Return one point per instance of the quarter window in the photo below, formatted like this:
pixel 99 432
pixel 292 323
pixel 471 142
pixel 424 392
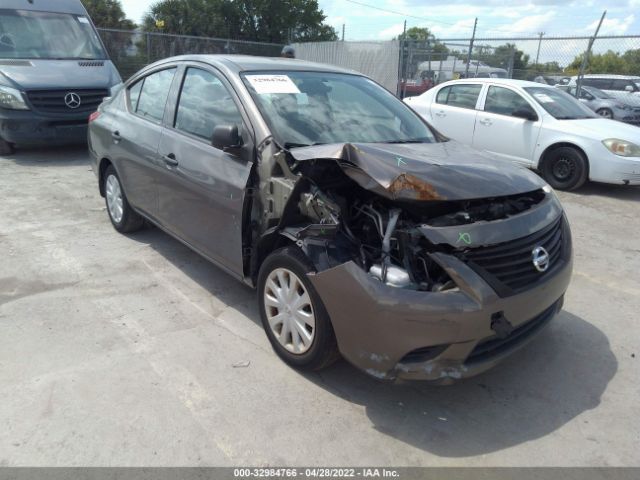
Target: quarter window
pixel 463 96
pixel 204 104
pixel 504 101
pixel 153 97
pixel 134 94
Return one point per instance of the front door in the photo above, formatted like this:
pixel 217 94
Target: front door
pixel 202 189
pixel 502 134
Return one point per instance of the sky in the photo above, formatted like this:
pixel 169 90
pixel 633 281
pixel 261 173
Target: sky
pixel 455 18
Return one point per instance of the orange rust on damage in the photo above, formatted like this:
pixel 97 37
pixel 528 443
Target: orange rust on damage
pixel 409 183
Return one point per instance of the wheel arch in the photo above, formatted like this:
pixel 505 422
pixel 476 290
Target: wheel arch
pixel 103 164
pixel 556 145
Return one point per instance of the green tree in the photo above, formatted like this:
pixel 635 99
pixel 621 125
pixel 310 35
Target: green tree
pixel 608 62
pixel 423 38
pixel 257 20
pixel 108 14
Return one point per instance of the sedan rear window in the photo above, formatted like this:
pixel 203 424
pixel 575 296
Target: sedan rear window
pixel 153 96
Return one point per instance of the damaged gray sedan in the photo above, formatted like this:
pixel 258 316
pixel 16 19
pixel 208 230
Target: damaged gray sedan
pixel 365 232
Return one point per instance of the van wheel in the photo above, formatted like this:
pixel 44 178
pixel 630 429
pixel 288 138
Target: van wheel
pixel 6 148
pixel 122 216
pixel 605 113
pixel 565 168
pixel 293 315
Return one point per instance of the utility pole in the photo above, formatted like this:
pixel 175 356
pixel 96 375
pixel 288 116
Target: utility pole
pixel 343 32
pixel 473 37
pixel 540 35
pixel 585 60
pixel 401 61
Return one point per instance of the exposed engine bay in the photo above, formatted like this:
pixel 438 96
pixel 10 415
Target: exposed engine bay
pixel 336 212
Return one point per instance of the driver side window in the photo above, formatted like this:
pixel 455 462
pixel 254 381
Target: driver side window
pixel 204 104
pixel 504 101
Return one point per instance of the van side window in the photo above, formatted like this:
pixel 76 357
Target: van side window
pixel 204 104
pixel 464 96
pixel 154 94
pixel 621 85
pixel 442 95
pixel 601 83
pixel 134 95
pixel 504 101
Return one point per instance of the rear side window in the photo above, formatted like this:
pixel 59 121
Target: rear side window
pixel 442 95
pixel 134 95
pixel 463 96
pixel 152 98
pixel 504 101
pixel 622 85
pixel 204 104
pixel 601 83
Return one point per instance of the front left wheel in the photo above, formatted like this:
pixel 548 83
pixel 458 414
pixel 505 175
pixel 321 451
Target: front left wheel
pixel 293 315
pixel 122 216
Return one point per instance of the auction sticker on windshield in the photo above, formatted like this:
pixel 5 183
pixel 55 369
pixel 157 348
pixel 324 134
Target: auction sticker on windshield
pixel 272 84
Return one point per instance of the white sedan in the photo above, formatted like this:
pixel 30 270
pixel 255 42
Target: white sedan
pixel 537 126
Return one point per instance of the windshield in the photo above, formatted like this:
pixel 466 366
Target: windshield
pixel 560 104
pixel 44 35
pixel 310 108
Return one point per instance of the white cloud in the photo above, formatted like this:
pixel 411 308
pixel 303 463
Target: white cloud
pixel 392 31
pixel 613 26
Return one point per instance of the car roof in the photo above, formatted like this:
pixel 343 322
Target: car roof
pixel 498 81
pixel 247 63
pixel 55 6
pixel 605 75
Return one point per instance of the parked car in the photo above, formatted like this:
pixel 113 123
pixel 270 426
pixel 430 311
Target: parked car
pixel 604 104
pixel 535 125
pixel 623 87
pixel 54 71
pixel 552 79
pixel 363 230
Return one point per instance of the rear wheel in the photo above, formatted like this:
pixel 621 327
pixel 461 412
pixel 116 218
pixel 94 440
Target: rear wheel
pixel 605 113
pixel 293 315
pixel 122 216
pixel 565 168
pixel 6 148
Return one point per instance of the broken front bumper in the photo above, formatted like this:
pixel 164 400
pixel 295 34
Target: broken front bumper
pixel 393 333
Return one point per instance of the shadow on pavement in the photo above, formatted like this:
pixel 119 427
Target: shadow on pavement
pixel 620 192
pixel 49 156
pixel 561 374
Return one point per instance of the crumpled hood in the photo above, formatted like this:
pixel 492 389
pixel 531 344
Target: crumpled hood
pixel 46 74
pixel 425 171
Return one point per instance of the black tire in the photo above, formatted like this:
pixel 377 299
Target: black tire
pixel 605 112
pixel 323 350
pixel 6 148
pixel 130 220
pixel 565 168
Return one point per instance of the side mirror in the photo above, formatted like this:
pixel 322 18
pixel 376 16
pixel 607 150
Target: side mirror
pixel 525 113
pixel 629 89
pixel 226 137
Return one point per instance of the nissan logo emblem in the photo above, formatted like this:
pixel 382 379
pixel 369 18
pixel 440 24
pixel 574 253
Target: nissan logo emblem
pixel 540 258
pixel 72 100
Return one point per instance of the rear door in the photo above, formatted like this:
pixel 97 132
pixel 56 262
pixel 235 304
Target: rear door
pixel 454 111
pixel 202 189
pixel 501 133
pixel 135 133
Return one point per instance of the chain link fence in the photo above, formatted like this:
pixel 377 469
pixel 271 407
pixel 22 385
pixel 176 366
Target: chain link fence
pixel 132 50
pixel 407 67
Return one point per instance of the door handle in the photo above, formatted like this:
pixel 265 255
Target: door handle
pixel 486 122
pixel 170 160
pixel 116 136
pixel 441 114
